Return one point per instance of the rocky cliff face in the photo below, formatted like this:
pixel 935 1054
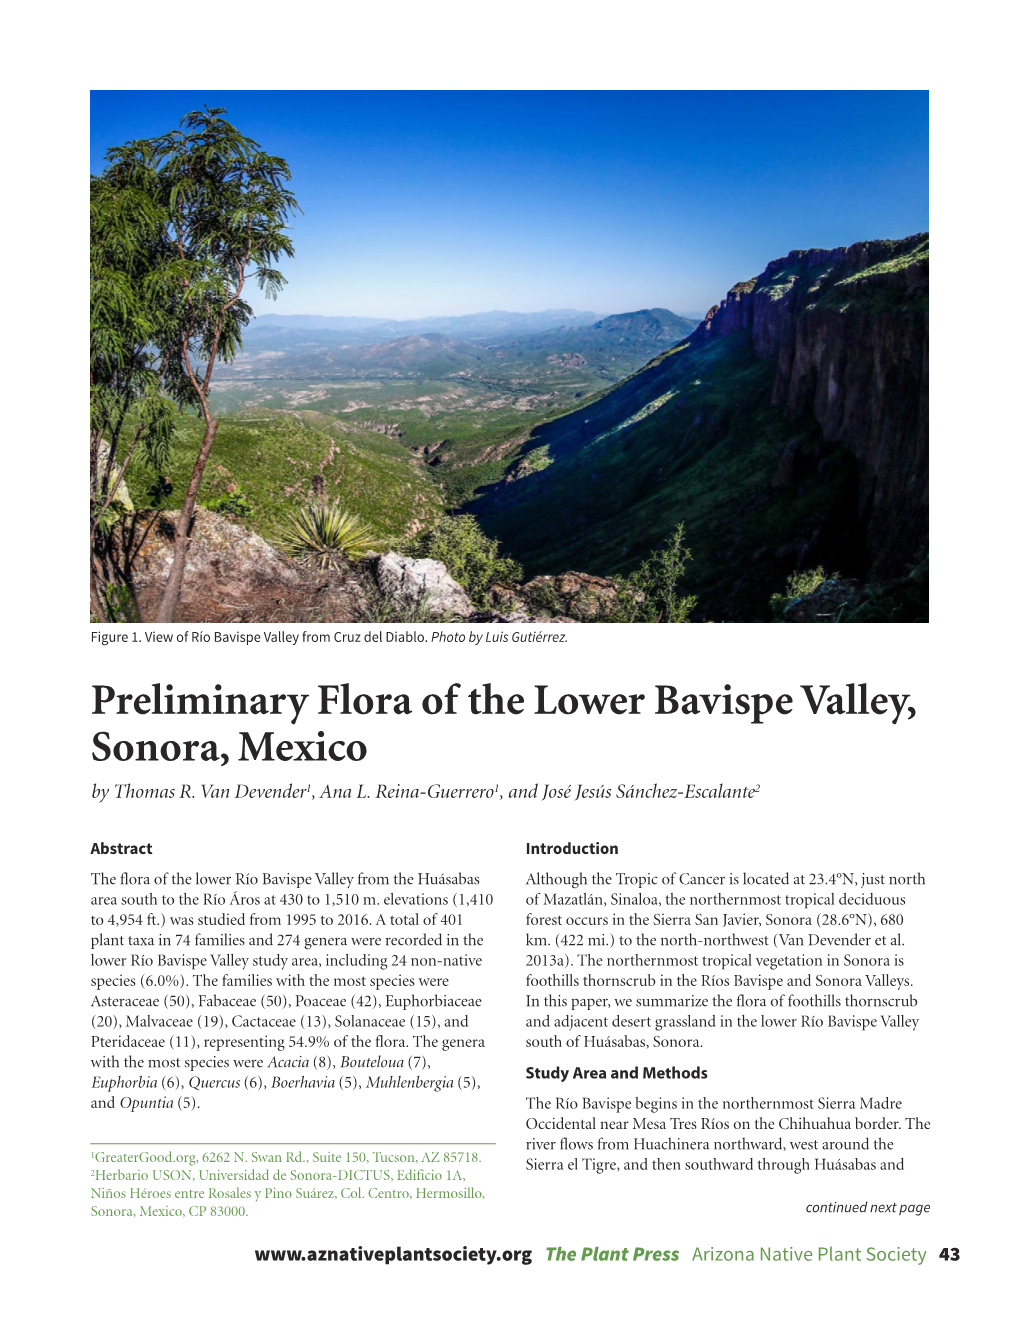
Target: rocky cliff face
pixel 848 331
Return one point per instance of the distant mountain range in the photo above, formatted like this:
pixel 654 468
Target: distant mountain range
pixel 641 330
pixel 334 348
pixel 656 324
pixel 369 329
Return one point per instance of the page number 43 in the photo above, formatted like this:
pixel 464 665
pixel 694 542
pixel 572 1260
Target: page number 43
pixel 949 1253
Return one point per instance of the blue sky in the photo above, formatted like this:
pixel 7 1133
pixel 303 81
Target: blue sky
pixel 438 203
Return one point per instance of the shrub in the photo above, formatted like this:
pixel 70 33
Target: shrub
pixel 472 558
pixel 381 606
pixel 798 585
pixel 325 535
pixel 233 505
pixel 106 521
pixel 120 604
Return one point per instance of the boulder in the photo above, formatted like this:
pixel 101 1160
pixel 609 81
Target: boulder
pixel 419 583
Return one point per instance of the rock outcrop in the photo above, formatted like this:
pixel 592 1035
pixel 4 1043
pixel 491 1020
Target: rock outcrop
pixel 582 597
pixel 233 575
pixel 830 602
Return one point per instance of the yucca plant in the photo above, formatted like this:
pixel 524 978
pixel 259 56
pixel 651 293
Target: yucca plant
pixel 326 534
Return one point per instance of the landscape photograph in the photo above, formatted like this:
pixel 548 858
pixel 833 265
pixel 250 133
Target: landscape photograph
pixel 509 357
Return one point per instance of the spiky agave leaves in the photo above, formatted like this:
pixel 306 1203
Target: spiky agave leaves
pixel 325 535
